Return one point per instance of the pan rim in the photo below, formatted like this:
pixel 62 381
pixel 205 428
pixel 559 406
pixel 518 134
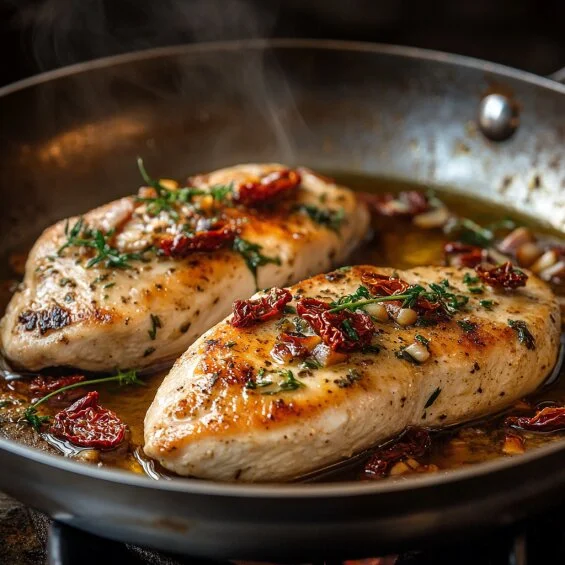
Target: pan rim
pixel 293 490
pixel 284 490
pixel 285 43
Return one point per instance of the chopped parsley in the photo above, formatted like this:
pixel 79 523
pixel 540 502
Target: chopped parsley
pixel 155 323
pixel 476 289
pixel 288 382
pixel 288 309
pixel 432 398
pixel 349 330
pixel 371 348
pixel 350 378
pixel 332 219
pixel 423 340
pixel 230 344
pixel 525 337
pixel 149 351
pixel 467 326
pixel 311 364
pixel 469 279
pixel 251 253
pixel 487 304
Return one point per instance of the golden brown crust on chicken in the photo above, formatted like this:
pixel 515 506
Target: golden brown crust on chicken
pixel 207 421
pixel 99 317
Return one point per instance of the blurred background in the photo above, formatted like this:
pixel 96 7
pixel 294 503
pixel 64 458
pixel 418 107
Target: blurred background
pixel 38 35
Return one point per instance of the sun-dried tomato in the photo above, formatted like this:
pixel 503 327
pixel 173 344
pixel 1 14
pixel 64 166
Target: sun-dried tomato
pixel 87 424
pixel 381 285
pixel 407 203
pixel 549 419
pixel 464 255
pixel 503 276
pixel 343 331
pixel 43 385
pixel 252 311
pixel 182 245
pixel 289 346
pixel 414 442
pixel 271 185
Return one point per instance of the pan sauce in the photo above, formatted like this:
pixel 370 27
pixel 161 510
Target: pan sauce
pixel 398 244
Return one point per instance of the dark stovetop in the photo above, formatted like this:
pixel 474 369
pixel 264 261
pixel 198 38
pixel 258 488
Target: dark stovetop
pixel 25 534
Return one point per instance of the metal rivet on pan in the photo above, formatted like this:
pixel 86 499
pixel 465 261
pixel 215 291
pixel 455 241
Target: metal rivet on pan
pixel 498 117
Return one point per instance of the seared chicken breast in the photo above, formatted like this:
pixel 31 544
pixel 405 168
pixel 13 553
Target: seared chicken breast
pixel 135 282
pixel 268 395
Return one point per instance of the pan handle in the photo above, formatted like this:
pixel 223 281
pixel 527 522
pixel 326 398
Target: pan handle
pixel 558 76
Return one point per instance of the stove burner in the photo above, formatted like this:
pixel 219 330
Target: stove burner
pixel 536 542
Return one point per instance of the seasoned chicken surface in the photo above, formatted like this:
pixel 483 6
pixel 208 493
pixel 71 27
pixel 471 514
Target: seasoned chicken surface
pixel 135 282
pixel 237 407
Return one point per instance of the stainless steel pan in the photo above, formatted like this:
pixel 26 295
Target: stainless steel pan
pixel 69 140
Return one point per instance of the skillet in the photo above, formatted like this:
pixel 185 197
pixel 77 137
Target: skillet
pixel 69 139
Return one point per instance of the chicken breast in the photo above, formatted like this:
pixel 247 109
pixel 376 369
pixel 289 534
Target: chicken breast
pixel 235 408
pixel 135 282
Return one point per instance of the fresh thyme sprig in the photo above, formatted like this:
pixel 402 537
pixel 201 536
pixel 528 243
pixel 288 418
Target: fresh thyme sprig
pixel 167 199
pixel 450 302
pixel 123 378
pixel 80 235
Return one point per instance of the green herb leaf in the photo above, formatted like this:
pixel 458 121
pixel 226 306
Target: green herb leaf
pixel 349 330
pixel 34 419
pixel 251 253
pixel 467 326
pixel 469 232
pixel 310 363
pixel 432 398
pixel 524 335
pixel 362 293
pixel 332 219
pixel 469 279
pixel 349 379
pixel 423 340
pixel 487 304
pixel 155 323
pixel 80 235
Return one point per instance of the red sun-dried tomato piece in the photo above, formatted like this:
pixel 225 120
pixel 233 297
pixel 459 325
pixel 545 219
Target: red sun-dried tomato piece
pixel 343 331
pixel 503 276
pixel 271 185
pixel 381 285
pixel 290 346
pixel 87 424
pixel 463 255
pixel 414 442
pixel 408 203
pixel 43 385
pixel 182 245
pixel 549 419
pixel 253 311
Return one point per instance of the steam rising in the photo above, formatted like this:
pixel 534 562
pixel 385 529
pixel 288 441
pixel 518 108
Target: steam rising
pixel 65 32
pixel 69 31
